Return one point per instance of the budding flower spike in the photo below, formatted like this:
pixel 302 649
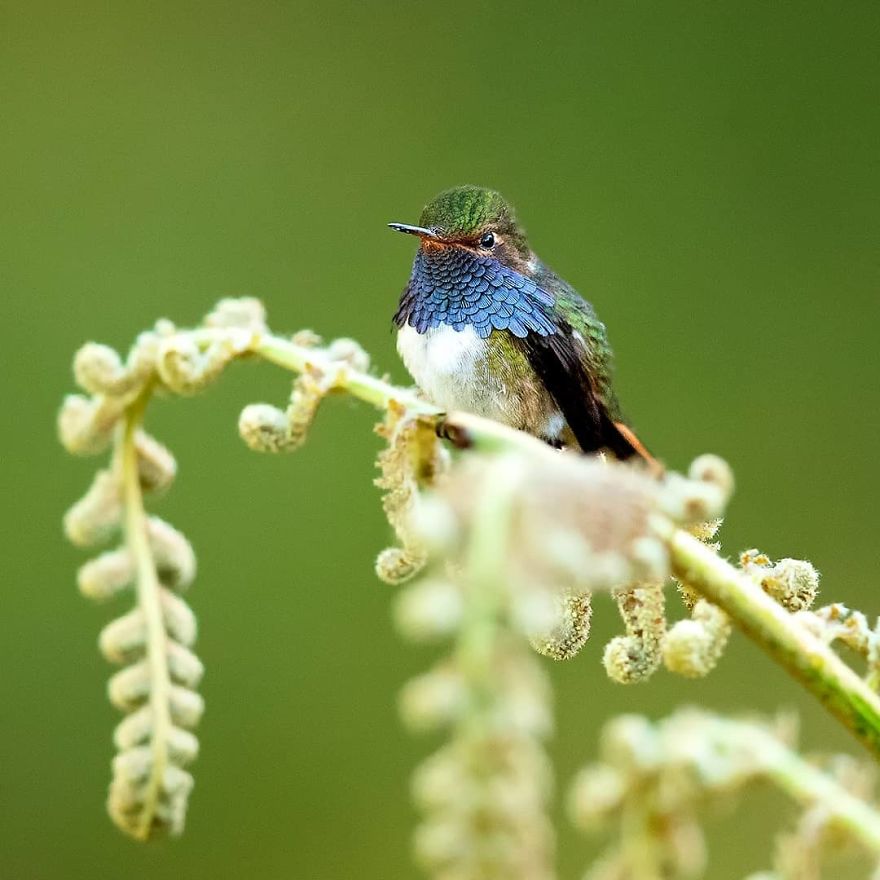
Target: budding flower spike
pixel 506 543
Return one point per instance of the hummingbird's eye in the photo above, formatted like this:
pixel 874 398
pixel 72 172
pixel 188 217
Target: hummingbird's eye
pixel 487 240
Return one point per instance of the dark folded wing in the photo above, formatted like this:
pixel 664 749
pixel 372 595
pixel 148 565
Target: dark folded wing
pixel 562 366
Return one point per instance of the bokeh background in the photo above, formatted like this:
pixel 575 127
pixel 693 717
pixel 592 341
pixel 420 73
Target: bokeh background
pixel 707 173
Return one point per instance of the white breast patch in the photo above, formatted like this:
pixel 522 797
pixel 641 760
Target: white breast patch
pixel 450 367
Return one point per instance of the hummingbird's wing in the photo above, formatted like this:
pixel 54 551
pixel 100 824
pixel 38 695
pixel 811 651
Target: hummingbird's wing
pixel 574 364
pixel 563 366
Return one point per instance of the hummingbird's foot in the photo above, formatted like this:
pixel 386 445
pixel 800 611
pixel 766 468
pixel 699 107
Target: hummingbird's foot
pixel 455 433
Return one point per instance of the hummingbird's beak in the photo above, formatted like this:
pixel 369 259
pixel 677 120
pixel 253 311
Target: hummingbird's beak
pixel 420 231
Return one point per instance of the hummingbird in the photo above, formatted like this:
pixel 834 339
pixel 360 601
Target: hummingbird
pixel 486 327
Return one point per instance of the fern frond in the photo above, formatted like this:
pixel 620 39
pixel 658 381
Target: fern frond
pixel 155 688
pixel 153 641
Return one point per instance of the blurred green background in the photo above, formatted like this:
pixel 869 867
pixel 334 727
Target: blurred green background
pixel 707 173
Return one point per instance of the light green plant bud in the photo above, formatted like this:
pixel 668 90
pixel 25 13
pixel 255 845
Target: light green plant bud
pixel 99 370
pixel 135 729
pixel 430 609
pixel 85 425
pixel 439 843
pixel 130 686
pixel 177 781
pixel 263 428
pixel 838 623
pixel 124 803
pixel 183 746
pixel 306 338
pixel 186 369
pixel 124 637
pixel 350 352
pixel 754 558
pixel 185 668
pixel 713 470
pixel 245 313
pixel 706 531
pixel 793 583
pixel 692 648
pixel 635 657
pixel 97 515
pixel 171 813
pixel 433 699
pixel 571 629
pixel 106 575
pixel 133 765
pixel 156 465
pixel 412 460
pixel 173 554
pixel 441 781
pixel 394 565
pixel 630 744
pixel 164 327
pixel 186 706
pixel 141 360
pixel 596 793
pixel 267 429
pixel 129 792
pixel 180 622
pixel 687 501
pixel 702 496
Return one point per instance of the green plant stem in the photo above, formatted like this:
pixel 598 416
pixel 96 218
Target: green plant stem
pixel 813 663
pixel 370 389
pixel 149 601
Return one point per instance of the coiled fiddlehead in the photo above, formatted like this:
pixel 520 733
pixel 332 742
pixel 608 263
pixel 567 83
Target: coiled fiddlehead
pixel 153 641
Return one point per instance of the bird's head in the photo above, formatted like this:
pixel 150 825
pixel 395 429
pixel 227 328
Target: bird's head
pixel 474 218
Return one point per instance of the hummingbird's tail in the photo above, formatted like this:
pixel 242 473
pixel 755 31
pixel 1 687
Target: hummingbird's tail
pixel 626 445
